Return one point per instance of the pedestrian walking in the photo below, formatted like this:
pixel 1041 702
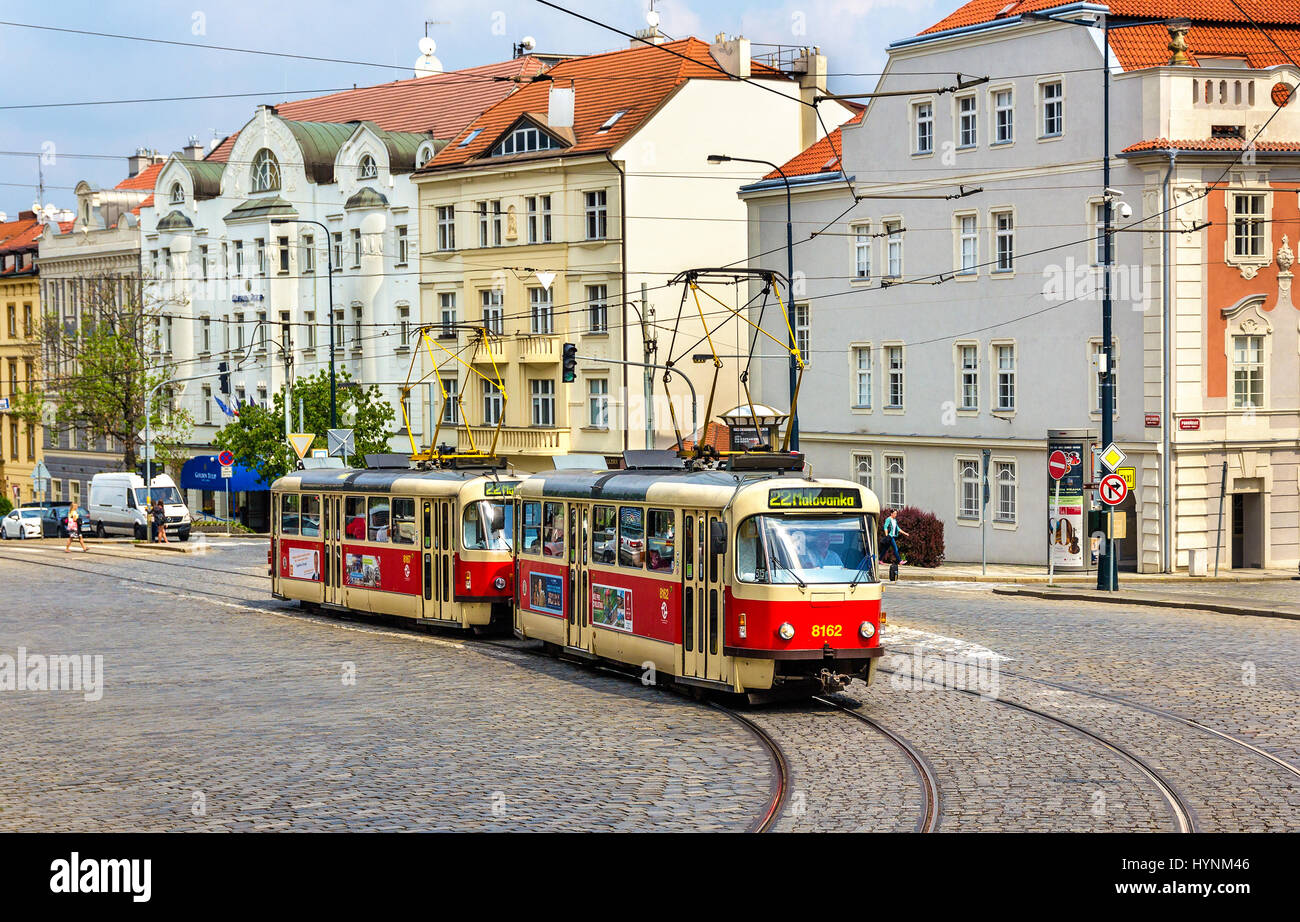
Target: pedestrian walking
pixel 73 524
pixel 160 521
pixel 892 531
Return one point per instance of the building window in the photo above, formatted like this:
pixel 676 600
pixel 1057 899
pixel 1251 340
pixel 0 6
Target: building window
pixel 356 329
pixel 493 313
pixel 896 491
pixel 1099 231
pixel 524 139
pixel 1006 360
pixel 403 245
pixel 1248 224
pixel 260 332
pixel 1247 372
pixel 491 403
pixel 368 169
pixel 167 335
pixel 539 306
pixel 968 245
pixel 259 250
pixel 203 262
pixel 339 331
pixel 862 251
pixel 309 331
pixel 543 397
pixel 968 475
pixel 178 194
pixel 338 250
pixel 597 309
pixel 923 117
pixel 283 246
pixel 446 227
pixel 539 218
pixel 451 405
pixel 496 223
pixel 1004 475
pixel 238 321
pixel 595 211
pixel 308 253
pixel 207 404
pixel 598 403
pixel 862 470
pixel 894 247
pixel 356 248
pixel 1053 97
pixel 1004 115
pixel 239 259
pixel 862 377
pixel 970 377
pixel 803 331
pixel 205 335
pixel 447 313
pixel 266 171
pixel 404 327
pixel 482 209
pixel 894 360
pixel 967 122
pixel 1004 241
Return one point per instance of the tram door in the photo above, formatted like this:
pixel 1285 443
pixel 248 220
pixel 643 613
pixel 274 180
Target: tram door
pixel 578 612
pixel 428 556
pixel 332 565
pixel 443 571
pixel 703 576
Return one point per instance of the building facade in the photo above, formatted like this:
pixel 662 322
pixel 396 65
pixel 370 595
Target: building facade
pixel 20 439
pixel 963 312
pixel 563 214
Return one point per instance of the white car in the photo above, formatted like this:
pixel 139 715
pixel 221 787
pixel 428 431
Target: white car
pixel 21 523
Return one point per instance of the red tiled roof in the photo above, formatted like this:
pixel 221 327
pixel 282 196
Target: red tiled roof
pixel 221 153
pixel 636 79
pixel 822 157
pixel 1147 46
pixel 1210 144
pixel 145 179
pixel 1274 12
pixel 22 234
pixel 443 104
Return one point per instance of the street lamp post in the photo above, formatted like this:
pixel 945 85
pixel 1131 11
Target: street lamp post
pixel 329 266
pixel 789 270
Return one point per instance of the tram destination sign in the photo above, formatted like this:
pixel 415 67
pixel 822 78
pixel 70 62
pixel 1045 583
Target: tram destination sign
pixel 500 488
pixel 814 498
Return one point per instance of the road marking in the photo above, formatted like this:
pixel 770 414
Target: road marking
pixel 939 643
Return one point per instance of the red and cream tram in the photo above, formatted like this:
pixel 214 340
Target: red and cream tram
pixel 428 545
pixel 739 581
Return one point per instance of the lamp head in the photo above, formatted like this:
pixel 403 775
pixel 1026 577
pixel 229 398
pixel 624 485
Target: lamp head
pixel 718 158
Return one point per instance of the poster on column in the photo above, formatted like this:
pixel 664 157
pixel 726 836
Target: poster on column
pixel 1066 537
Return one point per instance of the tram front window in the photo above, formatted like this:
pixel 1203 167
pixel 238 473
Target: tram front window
pixel 807 549
pixel 489 526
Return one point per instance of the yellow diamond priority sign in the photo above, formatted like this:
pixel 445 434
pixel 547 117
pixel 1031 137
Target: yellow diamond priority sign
pixel 301 441
pixel 1112 457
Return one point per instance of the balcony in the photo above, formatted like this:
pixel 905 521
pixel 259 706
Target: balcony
pixel 538 349
pixel 515 440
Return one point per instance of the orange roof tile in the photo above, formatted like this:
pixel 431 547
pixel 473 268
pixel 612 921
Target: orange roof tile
pixel 1274 12
pixel 636 79
pixel 21 234
pixel 145 179
pixel 1147 46
pixel 822 157
pixel 221 153
pixel 1210 144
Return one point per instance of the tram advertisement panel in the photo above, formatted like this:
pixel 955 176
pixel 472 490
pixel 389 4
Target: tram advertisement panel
pixel 300 561
pixel 611 607
pixel 544 592
pixel 387 569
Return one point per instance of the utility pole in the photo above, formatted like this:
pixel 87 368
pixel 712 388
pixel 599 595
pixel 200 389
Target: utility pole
pixel 650 346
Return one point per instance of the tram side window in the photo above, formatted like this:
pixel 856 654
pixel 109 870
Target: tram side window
pixel 289 514
pixel 354 514
pixel 377 519
pixel 631 536
pixel 553 545
pixel 603 534
pixel 403 525
pixel 310 516
pixel 532 528
pixel 660 541
pixel 750 560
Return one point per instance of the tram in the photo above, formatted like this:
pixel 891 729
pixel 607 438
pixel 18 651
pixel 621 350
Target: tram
pixel 745 581
pixel 433 546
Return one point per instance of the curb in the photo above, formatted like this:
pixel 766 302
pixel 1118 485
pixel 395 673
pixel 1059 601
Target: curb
pixel 1117 599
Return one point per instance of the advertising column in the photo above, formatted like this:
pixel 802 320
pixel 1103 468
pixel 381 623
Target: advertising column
pixel 1068 453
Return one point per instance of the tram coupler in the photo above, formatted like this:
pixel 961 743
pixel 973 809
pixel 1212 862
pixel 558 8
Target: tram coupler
pixel 832 681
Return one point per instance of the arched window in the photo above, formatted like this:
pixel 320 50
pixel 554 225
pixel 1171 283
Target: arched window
pixel 368 168
pixel 178 194
pixel 266 171
pixel 424 155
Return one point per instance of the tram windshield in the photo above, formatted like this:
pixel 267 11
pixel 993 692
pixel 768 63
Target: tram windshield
pixel 489 526
pixel 806 549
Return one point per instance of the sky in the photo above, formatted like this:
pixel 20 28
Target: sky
pixel 65 144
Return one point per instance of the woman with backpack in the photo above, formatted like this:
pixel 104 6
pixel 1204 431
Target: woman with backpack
pixel 159 521
pixel 73 524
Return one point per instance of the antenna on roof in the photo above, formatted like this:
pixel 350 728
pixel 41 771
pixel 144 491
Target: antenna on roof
pixel 426 65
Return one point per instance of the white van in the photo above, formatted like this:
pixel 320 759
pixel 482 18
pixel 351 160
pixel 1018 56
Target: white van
pixel 119 505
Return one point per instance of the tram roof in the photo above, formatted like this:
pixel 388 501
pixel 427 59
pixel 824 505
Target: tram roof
pixel 632 485
pixel 334 480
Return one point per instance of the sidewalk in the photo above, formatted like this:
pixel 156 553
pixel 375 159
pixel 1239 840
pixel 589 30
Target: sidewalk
pixel 1161 597
pixel 1021 573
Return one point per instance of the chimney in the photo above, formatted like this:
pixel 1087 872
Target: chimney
pixel 732 56
pixel 138 161
pixel 1178 30
pixel 811 68
pixel 4 218
pixel 194 149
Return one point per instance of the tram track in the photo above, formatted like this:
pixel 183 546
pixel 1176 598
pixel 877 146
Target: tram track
pixel 928 821
pixel 780 789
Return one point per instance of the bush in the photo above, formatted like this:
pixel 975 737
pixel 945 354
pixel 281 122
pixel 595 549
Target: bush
pixel 922 546
pixel 5 506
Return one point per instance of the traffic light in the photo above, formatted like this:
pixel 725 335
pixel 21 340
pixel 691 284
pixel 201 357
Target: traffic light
pixel 223 372
pixel 570 363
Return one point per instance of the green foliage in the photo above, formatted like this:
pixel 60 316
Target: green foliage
pixel 257 440
pixel 5 506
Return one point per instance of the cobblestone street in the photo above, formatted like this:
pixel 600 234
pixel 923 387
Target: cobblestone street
pixel 224 710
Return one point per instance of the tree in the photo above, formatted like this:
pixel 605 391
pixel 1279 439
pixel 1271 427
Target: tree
pixel 256 437
pixel 102 361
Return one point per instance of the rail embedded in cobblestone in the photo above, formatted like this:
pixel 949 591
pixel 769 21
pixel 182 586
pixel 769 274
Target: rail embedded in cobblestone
pixel 780 769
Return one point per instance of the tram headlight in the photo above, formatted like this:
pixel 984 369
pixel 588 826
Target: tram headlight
pixel 499 582
pixel 786 631
pixel 868 630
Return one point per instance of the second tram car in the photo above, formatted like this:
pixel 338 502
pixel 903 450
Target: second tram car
pixel 739 581
pixel 434 546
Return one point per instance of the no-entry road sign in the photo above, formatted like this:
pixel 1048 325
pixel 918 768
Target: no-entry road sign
pixel 1113 489
pixel 1058 465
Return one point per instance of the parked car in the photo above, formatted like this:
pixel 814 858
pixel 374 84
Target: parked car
pixel 119 505
pixel 53 515
pixel 22 523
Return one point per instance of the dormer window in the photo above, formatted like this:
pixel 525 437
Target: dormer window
pixel 178 194
pixel 523 140
pixel 368 169
pixel 424 155
pixel 266 171
pixel 611 121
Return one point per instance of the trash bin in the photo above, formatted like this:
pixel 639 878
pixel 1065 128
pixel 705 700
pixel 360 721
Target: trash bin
pixel 1198 562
